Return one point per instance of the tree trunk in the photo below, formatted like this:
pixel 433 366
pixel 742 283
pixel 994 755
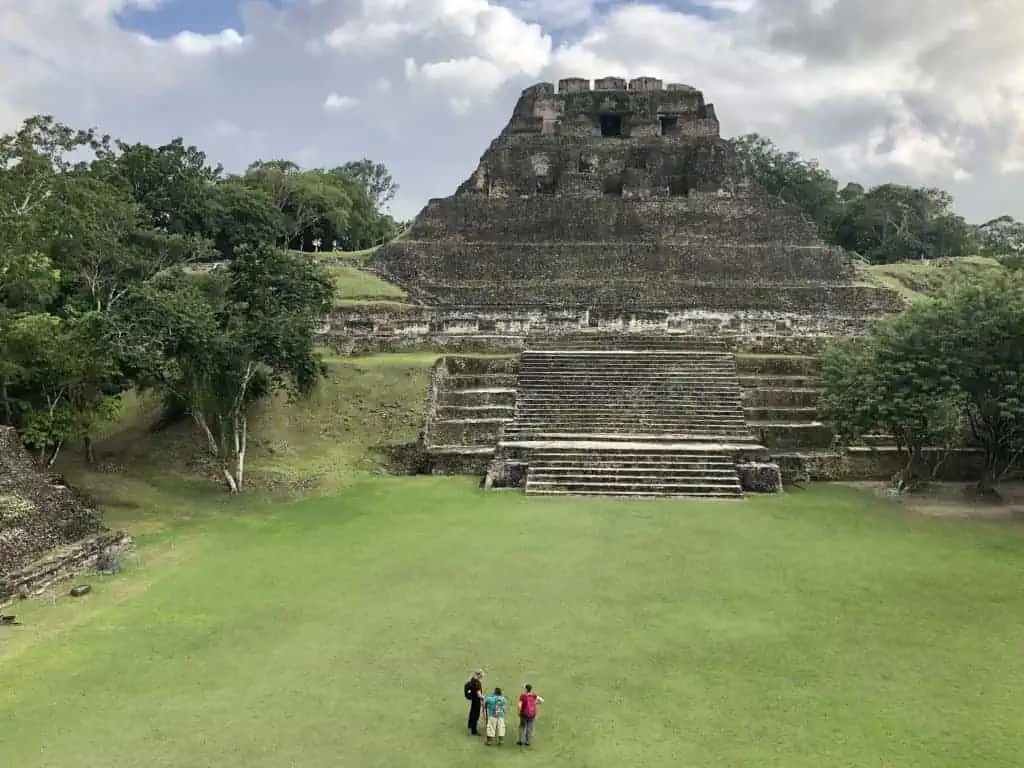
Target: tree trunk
pixel 211 441
pixel 90 451
pixel 229 479
pixel 5 401
pixel 241 443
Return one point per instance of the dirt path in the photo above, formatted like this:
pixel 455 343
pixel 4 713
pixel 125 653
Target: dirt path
pixel 957 500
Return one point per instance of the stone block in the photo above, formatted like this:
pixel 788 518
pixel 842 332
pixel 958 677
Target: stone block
pixel 505 473
pixel 760 477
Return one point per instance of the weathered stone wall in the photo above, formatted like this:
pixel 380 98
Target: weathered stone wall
pixel 712 259
pixel 576 106
pixel 695 219
pixel 60 563
pixel 37 515
pixel 502 330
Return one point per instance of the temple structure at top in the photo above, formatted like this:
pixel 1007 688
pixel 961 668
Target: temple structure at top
pixel 616 196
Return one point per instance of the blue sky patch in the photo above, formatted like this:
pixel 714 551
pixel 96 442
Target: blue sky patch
pixel 200 16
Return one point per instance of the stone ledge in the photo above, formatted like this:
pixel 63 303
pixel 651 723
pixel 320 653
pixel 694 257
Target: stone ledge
pixel 59 564
pixel 760 477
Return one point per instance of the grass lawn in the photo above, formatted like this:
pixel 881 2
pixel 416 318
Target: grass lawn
pixel 353 284
pixel 922 278
pixel 821 628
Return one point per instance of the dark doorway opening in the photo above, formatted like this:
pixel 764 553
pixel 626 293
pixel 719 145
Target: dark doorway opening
pixel 611 125
pixel 668 124
pixel 613 186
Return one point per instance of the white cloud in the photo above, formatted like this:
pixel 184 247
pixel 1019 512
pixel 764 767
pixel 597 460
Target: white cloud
pixel 901 90
pixel 337 103
pixel 191 44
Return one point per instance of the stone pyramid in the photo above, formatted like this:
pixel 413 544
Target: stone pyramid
pixel 623 196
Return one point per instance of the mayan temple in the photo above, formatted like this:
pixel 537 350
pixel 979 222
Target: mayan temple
pixel 666 308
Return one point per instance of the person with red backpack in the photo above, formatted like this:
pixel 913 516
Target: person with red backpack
pixel 528 701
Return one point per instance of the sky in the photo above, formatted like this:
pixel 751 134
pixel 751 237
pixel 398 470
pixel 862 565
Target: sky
pixel 924 92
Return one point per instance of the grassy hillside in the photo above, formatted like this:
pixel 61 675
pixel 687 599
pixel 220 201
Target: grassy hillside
pixel 364 412
pixel 354 287
pixel 920 278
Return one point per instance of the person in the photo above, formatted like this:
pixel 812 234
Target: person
pixel 495 705
pixel 474 691
pixel 528 701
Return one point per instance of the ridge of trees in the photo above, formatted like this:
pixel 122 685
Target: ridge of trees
pixel 884 224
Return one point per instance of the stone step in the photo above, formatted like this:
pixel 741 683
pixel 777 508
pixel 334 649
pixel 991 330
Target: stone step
pixel 646 462
pixel 626 415
pixel 625 425
pixel 527 421
pixel 640 361
pixel 599 363
pixel 638 403
pixel 636 494
pixel 474 380
pixel 601 487
pixel 787 415
pixel 697 436
pixel 687 372
pixel 790 365
pixel 624 340
pixel 596 362
pixel 630 378
pixel 529 348
pixel 455 412
pixel 633 474
pixel 789 436
pixel 666 385
pixel 466 397
pixel 615 389
pixel 620 400
pixel 466 431
pixel 530 372
pixel 755 381
pixel 612 451
pixel 797 397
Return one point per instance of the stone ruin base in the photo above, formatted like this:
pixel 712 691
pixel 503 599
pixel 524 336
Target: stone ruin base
pixel 60 564
pixel 760 477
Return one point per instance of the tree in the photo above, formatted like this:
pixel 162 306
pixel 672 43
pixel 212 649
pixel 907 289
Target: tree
pixel 888 223
pixel 949 366
pixel 226 340
pixel 804 183
pixel 305 199
pixel 243 215
pixel 375 179
pixel 893 222
pixel 879 385
pixel 1002 238
pixel 172 184
pixel 977 328
pixel 64 380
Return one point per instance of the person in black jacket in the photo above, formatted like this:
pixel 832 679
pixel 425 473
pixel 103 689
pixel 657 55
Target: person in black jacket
pixel 474 690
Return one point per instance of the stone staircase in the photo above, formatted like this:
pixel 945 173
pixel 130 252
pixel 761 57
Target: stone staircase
pixel 472 401
pixel 628 415
pixel 634 469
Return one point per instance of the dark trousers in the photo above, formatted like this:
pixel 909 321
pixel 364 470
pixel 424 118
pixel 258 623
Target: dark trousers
pixel 474 714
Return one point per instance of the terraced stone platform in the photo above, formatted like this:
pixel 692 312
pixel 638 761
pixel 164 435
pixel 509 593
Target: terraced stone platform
pixel 471 399
pixel 628 414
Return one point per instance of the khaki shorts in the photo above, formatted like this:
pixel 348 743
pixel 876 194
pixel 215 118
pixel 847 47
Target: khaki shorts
pixel 495 727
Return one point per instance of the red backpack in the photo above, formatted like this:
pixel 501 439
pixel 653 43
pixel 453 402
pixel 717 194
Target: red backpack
pixel 529 705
